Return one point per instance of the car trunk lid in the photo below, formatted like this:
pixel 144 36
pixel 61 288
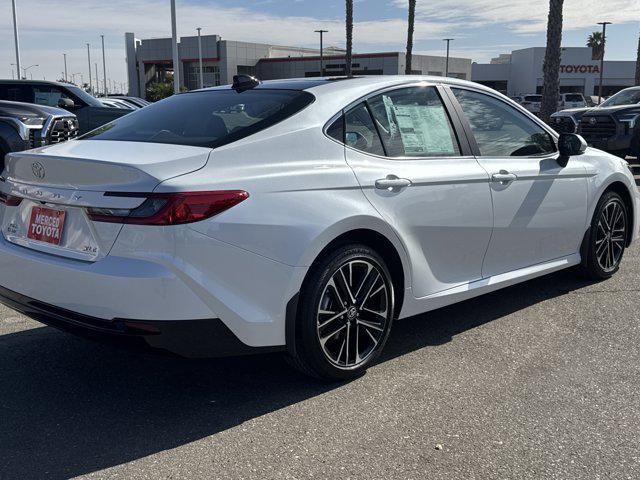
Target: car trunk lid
pixel 51 188
pixel 100 165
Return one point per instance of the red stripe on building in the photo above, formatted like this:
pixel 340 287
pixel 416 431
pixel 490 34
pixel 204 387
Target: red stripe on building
pixel 169 62
pixel 330 57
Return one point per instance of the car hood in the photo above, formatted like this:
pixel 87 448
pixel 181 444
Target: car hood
pixel 29 110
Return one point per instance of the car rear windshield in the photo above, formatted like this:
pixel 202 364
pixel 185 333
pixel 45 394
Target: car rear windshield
pixel 574 97
pixel 205 118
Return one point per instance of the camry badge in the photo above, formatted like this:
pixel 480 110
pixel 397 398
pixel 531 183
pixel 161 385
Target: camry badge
pixel 38 170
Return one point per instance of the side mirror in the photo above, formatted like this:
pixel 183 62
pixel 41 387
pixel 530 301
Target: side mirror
pixel 570 144
pixel 66 103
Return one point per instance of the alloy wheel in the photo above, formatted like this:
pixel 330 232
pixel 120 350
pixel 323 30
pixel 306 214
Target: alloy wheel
pixel 353 313
pixel 611 235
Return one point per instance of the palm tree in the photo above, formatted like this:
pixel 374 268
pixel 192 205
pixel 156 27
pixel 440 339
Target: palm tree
pixel 551 66
pixel 349 24
pixel 638 64
pixel 595 42
pixel 410 27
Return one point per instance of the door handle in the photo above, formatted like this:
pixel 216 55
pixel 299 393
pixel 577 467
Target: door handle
pixel 392 183
pixel 503 177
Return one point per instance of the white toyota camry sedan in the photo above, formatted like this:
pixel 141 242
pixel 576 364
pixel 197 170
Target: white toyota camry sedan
pixel 302 215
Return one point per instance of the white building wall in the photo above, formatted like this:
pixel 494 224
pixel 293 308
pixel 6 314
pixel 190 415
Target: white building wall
pixel 579 72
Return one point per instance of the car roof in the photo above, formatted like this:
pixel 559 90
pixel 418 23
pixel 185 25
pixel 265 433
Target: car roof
pixel 329 85
pixel 40 82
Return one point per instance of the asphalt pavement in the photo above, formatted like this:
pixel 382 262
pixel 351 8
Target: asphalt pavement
pixel 538 381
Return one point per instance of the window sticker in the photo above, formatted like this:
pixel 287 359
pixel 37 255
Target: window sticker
pixel 424 129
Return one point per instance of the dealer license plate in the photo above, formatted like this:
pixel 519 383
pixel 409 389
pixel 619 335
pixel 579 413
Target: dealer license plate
pixel 46 225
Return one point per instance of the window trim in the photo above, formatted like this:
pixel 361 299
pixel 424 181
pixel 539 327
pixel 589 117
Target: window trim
pixel 510 103
pixel 464 145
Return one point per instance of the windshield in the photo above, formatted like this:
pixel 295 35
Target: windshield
pixel 205 118
pixel 84 96
pixel 630 96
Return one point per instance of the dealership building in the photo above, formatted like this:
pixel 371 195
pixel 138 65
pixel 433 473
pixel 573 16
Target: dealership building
pixel 150 61
pixel 520 72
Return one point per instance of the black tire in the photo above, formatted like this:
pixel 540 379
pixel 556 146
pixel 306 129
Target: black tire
pixel 356 278
pixel 604 244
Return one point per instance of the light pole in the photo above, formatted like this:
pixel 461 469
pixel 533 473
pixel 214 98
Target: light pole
pixel 446 65
pixel 95 64
pixel 104 67
pixel 321 32
pixel 66 77
pixel 89 62
pixel 24 70
pixel 200 56
pixel 15 34
pixel 604 40
pixel 174 45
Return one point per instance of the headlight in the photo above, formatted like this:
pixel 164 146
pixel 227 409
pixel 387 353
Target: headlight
pixel 32 121
pixel 629 118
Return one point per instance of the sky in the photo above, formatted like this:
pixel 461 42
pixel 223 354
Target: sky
pixel 482 28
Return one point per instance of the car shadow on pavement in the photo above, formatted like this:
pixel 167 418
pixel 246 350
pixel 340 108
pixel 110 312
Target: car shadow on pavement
pixel 70 407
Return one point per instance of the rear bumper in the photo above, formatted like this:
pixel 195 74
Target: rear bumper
pixel 166 277
pixel 187 338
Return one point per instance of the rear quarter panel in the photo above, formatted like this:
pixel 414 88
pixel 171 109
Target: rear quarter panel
pixel 302 194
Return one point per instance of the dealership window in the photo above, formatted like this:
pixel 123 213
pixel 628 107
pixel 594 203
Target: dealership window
pixel 414 123
pixel 210 75
pixel 499 129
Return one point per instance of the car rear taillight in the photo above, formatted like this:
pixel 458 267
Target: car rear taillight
pixel 10 200
pixel 169 208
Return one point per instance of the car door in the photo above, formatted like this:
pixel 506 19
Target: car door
pixel 421 177
pixel 540 207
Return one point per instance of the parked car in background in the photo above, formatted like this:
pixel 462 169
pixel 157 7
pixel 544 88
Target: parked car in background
pixel 593 101
pixel 307 220
pixel 137 101
pixel 89 111
pixel 25 125
pixel 571 100
pixel 532 102
pixel 612 126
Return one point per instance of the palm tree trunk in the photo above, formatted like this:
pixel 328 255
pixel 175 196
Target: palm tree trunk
pixel 349 25
pixel 412 21
pixel 551 66
pixel 638 64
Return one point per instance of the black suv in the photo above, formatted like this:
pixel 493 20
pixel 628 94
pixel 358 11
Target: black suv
pixel 24 126
pixel 89 111
pixel 613 126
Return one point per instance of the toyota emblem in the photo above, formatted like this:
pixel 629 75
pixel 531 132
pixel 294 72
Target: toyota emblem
pixel 593 120
pixel 38 170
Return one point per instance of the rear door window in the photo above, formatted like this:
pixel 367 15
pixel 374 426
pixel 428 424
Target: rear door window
pixel 205 118
pixel 413 122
